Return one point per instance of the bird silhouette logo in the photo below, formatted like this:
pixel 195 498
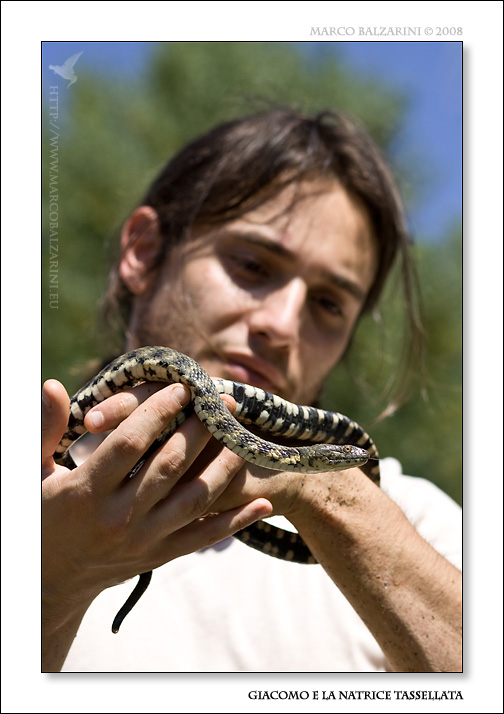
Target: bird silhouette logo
pixel 66 70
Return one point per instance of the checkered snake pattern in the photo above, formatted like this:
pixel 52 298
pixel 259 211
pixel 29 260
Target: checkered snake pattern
pixel 336 441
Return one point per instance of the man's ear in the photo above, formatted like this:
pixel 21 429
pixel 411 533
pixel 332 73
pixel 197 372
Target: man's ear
pixel 140 245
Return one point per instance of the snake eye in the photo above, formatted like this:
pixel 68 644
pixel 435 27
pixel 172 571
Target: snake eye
pixel 347 449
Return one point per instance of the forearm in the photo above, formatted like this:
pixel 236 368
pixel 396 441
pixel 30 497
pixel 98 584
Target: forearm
pixel 405 592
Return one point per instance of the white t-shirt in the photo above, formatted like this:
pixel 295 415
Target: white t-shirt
pixel 229 608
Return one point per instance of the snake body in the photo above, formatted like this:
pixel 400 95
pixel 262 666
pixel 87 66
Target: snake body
pixel 340 443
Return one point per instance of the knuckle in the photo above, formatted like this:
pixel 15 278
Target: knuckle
pixel 171 461
pixel 131 442
pixel 201 502
pixel 197 500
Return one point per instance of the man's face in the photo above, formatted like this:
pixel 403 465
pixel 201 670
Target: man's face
pixel 269 299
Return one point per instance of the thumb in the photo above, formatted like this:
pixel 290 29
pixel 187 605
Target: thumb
pixel 55 411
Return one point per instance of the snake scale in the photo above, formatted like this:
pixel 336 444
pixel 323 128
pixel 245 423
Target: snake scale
pixel 338 442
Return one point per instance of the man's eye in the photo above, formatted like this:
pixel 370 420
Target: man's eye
pixel 248 267
pixel 252 265
pixel 329 305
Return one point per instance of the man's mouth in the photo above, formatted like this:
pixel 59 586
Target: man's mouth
pixel 253 370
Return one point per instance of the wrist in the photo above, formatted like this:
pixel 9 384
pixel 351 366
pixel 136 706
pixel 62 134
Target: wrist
pixel 341 497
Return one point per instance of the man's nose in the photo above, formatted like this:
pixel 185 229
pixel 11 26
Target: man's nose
pixel 279 314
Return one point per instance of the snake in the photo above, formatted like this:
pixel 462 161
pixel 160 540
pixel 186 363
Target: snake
pixel 336 441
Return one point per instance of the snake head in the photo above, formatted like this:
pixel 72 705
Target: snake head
pixel 335 457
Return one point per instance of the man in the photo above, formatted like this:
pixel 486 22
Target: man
pixel 255 251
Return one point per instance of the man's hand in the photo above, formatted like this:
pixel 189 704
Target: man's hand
pixel 100 528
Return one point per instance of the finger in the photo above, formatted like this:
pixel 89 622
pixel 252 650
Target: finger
pixel 207 531
pixel 124 447
pixel 183 456
pixel 111 412
pixel 55 412
pixel 229 401
pixel 173 462
pixel 189 500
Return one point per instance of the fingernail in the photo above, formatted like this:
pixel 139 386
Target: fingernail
pixel 96 419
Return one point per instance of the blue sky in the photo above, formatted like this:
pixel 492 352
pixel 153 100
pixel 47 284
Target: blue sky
pixel 428 73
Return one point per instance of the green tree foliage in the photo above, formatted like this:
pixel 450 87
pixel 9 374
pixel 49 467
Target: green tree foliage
pixel 425 432
pixel 115 135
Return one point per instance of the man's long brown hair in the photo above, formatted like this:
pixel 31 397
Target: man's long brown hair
pixel 240 164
